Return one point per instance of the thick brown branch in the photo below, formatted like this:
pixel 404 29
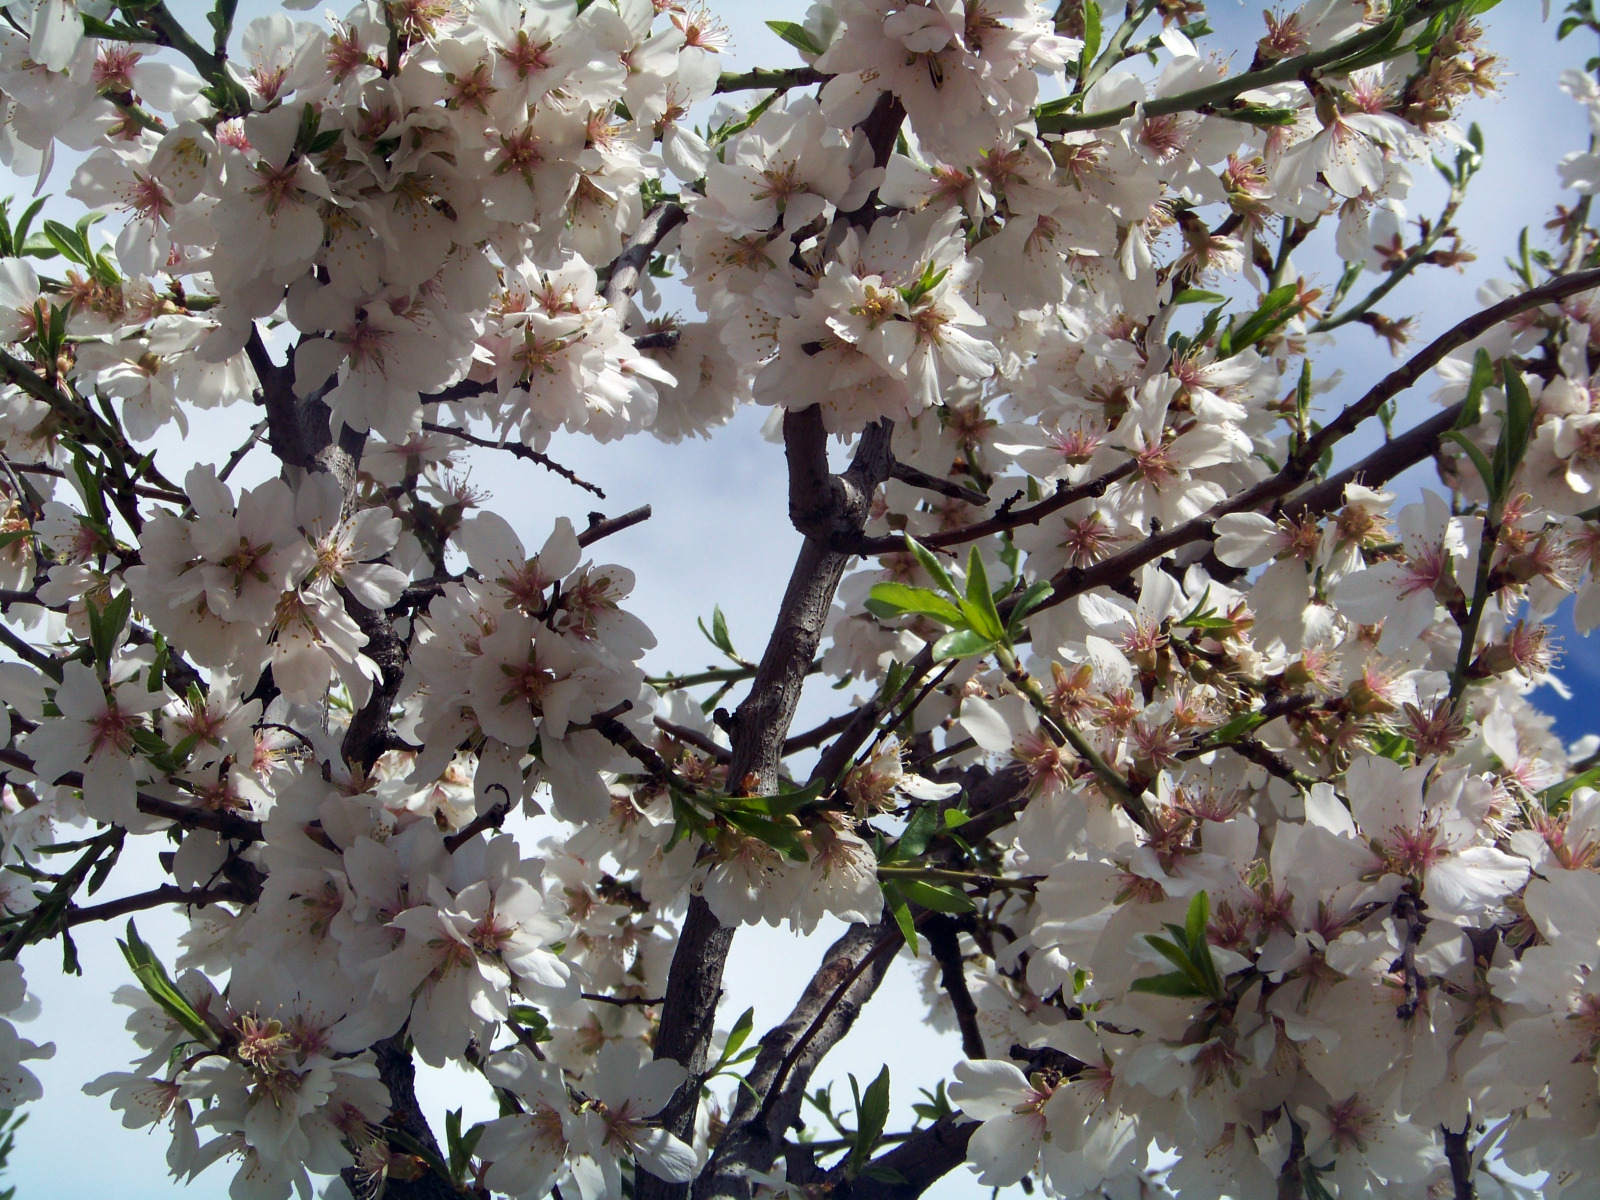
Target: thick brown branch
pixel 912 1167
pixel 224 824
pixel 851 971
pixel 1459 1155
pixel 825 507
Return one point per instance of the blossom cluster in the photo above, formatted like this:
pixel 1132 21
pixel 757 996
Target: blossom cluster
pixel 1204 784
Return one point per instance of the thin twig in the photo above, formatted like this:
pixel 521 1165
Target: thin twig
pixel 622 1001
pixel 913 477
pixel 520 451
pixel 1062 497
pixel 693 737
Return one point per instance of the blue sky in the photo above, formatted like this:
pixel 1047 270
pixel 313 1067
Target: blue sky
pixel 720 535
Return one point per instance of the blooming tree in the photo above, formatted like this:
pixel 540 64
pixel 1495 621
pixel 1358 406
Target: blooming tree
pixel 1198 777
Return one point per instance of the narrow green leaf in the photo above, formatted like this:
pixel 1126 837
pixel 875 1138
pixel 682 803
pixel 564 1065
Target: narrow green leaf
pixel 1173 983
pixel 979 607
pixel 938 897
pixel 1482 377
pixel 931 564
pixel 738 1035
pixel 1093 31
pixel 919 831
pixel 1235 729
pixel 872 1112
pixel 901 912
pixel 1178 956
pixel 152 976
pixel 1558 792
pixel 1514 433
pixel 1196 920
pixel 797 36
pixel 1478 460
pixel 889 600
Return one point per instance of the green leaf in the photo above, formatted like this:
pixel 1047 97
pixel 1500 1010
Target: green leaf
pixel 1485 470
pixel 717 635
pixel 786 802
pixel 531 1019
pixel 105 626
pixel 931 564
pixel 979 607
pixel 1558 792
pixel 901 911
pixel 69 243
pixel 1178 956
pixel 1173 983
pixel 919 831
pixel 737 1036
pixel 462 1147
pixel 152 976
pixel 1196 920
pixel 1276 307
pixel 1514 433
pixel 1197 296
pixel 785 839
pixel 1394 746
pixel 937 897
pixel 872 1111
pixel 797 36
pixel 1235 729
pixel 1482 377
pixel 889 600
pixel 961 643
pixel 1093 31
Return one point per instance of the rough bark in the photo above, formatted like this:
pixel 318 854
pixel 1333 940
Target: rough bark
pixel 827 508
pixel 753 1140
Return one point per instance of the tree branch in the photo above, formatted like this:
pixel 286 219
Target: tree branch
pixel 602 526
pixel 1459 1155
pixel 1303 66
pixel 527 453
pixel 770 79
pixel 914 1165
pixel 944 941
pixel 1063 496
pixel 849 975
pixel 1074 581
pixel 913 477
pixel 625 270
pixel 825 507
pixel 165 894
